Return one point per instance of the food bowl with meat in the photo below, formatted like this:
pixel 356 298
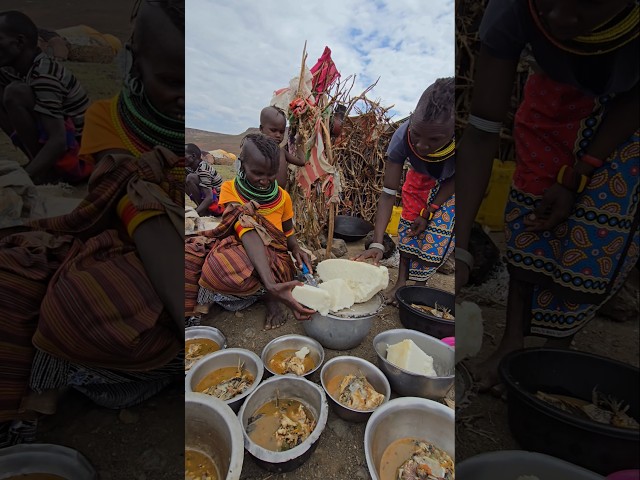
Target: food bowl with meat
pixel 577 406
pixel 354 386
pixel 416 364
pixel 427 310
pixel 282 420
pixel 44 460
pixel 229 375
pixel 292 354
pixel 409 438
pixel 213 441
pixel 200 341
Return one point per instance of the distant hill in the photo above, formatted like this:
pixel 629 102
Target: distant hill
pixel 212 141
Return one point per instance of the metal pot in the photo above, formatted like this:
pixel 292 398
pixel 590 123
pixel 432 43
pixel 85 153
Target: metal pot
pixel 345 329
pixel 296 342
pixel 407 383
pixel 45 458
pixel 345 365
pixel 421 321
pixel 351 229
pixel 212 428
pixel 285 386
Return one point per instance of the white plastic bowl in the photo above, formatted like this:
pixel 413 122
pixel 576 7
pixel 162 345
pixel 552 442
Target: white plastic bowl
pixel 510 464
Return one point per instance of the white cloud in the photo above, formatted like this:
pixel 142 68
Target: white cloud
pixel 240 51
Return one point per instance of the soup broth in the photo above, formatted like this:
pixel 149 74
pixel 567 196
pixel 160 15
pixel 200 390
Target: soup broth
pixel 198 466
pixel 280 425
pixel 196 348
pixel 286 361
pixel 226 382
pixel 402 458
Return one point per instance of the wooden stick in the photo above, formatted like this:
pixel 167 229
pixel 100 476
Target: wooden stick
pixel 302 65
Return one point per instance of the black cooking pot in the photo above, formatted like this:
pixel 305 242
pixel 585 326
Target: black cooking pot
pixel 423 322
pixel 541 427
pixel 350 229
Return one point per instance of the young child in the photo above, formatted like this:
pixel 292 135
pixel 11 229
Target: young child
pixel 249 257
pixel 272 124
pixel 42 104
pixel 428 199
pixel 202 183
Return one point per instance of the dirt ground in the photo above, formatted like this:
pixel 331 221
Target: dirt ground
pixel 482 425
pixel 340 453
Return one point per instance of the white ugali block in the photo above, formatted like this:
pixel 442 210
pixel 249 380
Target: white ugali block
pixel 340 292
pixel 313 297
pixel 364 279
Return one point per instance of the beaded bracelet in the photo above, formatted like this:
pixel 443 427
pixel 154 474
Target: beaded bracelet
pixel 574 181
pixel 131 217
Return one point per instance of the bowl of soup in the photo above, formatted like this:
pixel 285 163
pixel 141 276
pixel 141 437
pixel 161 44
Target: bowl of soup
pixel 355 387
pixel 229 375
pixel 213 439
pixel 408 434
pixel 43 461
pixel 200 341
pixel 282 421
pixel 292 354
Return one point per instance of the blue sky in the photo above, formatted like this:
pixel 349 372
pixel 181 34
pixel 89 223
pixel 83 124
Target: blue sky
pixel 239 52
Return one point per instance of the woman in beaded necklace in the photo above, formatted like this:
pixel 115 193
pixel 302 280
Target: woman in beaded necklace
pixel 149 110
pixel 246 258
pixel 571 220
pixel 426 236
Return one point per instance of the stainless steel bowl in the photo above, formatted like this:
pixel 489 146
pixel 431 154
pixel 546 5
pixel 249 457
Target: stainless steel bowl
pixel 285 386
pixel 345 329
pixel 411 384
pixel 408 417
pixel 204 331
pixel 212 428
pixel 229 357
pixel 344 365
pixel 44 458
pixel 296 342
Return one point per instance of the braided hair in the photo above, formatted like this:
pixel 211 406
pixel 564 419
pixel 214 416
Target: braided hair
pixel 437 101
pixel 267 146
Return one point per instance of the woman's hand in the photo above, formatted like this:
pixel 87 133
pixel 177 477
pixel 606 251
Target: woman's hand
pixel 282 293
pixel 417 226
pixel 555 207
pixel 302 258
pixel 373 253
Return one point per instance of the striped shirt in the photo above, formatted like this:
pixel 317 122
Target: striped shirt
pixel 57 91
pixel 209 177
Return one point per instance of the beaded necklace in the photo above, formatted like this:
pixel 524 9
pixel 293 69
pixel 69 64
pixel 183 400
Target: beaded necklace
pixel 141 127
pixel 609 36
pixel 439 155
pixel 249 192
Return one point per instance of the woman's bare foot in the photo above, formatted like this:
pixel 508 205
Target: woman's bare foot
pixel 276 315
pixel 390 295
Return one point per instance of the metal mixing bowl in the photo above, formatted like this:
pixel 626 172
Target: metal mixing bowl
pixel 345 365
pixel 345 329
pixel 212 428
pixel 411 384
pixel 285 386
pixel 295 342
pixel 203 331
pixel 408 417
pixel 44 458
pixel 229 357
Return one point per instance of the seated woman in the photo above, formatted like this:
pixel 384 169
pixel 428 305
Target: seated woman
pixel 85 302
pixel 247 256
